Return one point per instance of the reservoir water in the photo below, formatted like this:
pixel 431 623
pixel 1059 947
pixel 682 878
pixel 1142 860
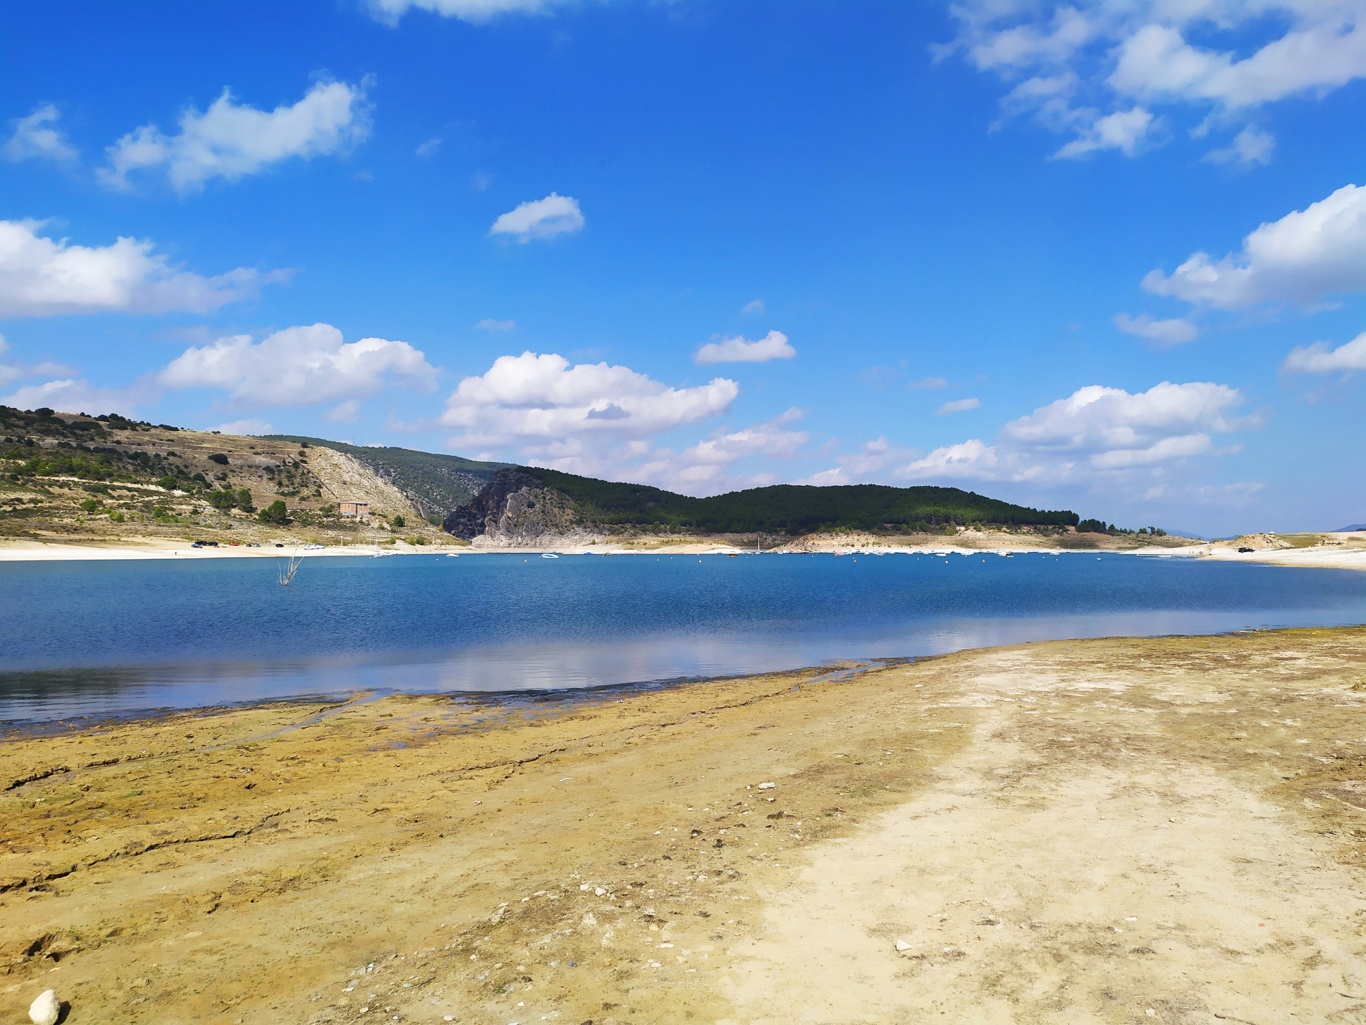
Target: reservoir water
pixel 102 638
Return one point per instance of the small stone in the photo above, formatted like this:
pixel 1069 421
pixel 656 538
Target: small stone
pixel 46 1009
pixel 768 786
pixel 902 945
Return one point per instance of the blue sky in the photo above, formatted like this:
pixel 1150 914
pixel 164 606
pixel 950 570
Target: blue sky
pixel 1110 257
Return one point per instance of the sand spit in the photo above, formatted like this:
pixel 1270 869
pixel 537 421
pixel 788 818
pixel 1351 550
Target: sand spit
pixel 1162 830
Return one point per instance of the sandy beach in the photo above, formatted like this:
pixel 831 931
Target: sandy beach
pixel 1159 830
pixel 1333 551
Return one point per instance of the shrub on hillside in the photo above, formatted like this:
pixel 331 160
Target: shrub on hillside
pixel 275 513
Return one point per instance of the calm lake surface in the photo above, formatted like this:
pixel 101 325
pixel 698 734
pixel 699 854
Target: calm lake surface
pixel 102 638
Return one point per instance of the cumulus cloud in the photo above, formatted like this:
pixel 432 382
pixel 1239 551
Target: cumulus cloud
pixel 1162 333
pixel 489 324
pixel 1305 257
pixel 727 460
pixel 73 395
pixel 253 426
pixel 1079 67
pixel 773 345
pixel 1321 358
pixel 299 366
pixel 474 11
pixel 41 276
pixel 541 219
pixel 8 371
pixel 709 466
pixel 1250 147
pixel 38 137
pixel 18 371
pixel 958 406
pixel 1123 130
pixel 867 461
pixel 541 397
pixel 232 140
pixel 1094 429
pixel 775 439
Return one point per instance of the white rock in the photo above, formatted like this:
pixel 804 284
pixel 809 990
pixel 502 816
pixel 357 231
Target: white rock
pixel 767 786
pixel 46 1009
pixel 902 945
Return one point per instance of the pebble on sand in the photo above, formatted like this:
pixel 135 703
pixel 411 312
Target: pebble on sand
pixel 767 786
pixel 46 1009
pixel 902 945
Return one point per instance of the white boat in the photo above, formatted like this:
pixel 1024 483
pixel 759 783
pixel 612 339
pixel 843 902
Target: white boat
pixel 549 555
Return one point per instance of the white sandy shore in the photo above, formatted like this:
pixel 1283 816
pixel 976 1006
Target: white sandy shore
pixel 1341 551
pixel 162 550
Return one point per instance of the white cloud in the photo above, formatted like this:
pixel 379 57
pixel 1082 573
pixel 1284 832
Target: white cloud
pixel 251 427
pixel 1075 67
pixel 73 395
pixel 347 412
pixel 541 219
pixel 857 467
pixel 958 406
pixel 1249 147
pixel 1095 429
pixel 1123 130
pixel 1320 358
pixel 37 137
pixel 19 371
pixel 489 324
pixel 41 276
pixel 773 345
pixel 775 440
pixel 1305 257
pixel 541 397
pixel 727 460
pixel 428 148
pixel 971 460
pixel 231 140
pixel 753 306
pixel 475 11
pixel 1324 51
pixel 928 384
pixel 8 372
pixel 1162 333
pixel 299 366
pixel 709 466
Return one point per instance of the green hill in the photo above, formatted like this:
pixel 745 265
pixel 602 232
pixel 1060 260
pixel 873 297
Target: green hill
pixel 787 509
pixel 793 508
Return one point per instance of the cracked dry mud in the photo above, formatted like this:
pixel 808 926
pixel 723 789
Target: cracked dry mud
pixel 1154 830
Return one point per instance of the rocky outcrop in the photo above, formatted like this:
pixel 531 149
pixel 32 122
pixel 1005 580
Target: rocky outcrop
pixel 515 509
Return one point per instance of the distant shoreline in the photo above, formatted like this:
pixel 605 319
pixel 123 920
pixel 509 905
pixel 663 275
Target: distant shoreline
pixel 1336 551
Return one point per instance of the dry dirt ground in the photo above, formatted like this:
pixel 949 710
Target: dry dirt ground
pixel 1157 830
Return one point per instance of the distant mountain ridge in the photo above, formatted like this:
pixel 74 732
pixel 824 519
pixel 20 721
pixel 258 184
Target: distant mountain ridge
pixel 1348 530
pixel 76 474
pixel 525 503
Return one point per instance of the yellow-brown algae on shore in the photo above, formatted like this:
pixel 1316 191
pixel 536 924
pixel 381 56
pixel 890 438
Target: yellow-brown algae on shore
pixel 1066 831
